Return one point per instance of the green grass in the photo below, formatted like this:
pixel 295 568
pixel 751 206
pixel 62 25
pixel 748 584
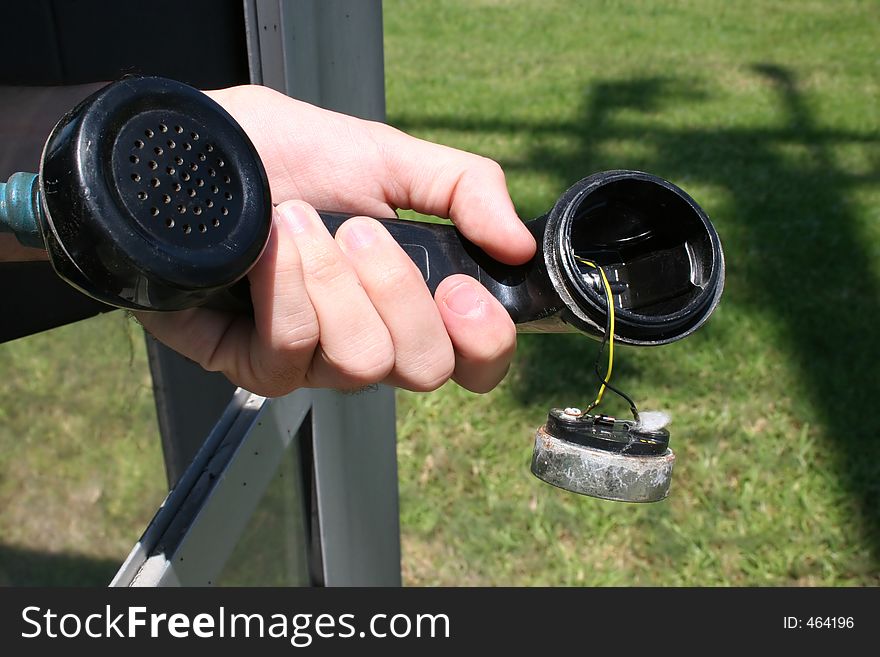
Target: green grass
pixel 767 113
pixel 81 469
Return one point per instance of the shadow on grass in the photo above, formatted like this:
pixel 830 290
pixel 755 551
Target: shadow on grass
pixel 798 257
pixel 22 567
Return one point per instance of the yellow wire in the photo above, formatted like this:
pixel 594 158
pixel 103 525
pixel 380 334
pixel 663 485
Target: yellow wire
pixel 610 309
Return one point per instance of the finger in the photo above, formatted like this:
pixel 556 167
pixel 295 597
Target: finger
pixel 469 189
pixel 355 347
pixel 211 338
pixel 368 167
pixel 286 329
pixel 423 355
pixel 269 354
pixel 482 333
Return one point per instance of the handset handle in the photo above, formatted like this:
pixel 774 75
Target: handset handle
pixel 440 250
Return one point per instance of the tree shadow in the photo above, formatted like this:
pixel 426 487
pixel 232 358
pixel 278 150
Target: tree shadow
pixel 799 257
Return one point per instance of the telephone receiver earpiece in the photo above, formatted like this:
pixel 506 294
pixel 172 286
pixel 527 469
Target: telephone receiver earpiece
pixel 151 197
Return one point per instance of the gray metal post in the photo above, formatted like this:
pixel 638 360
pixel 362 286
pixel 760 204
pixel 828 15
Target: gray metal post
pixel 329 53
pixel 325 52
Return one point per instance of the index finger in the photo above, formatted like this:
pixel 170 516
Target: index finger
pixel 446 182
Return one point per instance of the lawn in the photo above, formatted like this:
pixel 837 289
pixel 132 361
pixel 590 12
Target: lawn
pixel 766 113
pixel 81 469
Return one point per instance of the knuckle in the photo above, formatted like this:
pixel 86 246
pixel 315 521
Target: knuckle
pixel 276 377
pixel 275 388
pixel 369 364
pixel 396 275
pixel 325 267
pixel 436 370
pixel 300 333
pixel 491 168
pixel 321 259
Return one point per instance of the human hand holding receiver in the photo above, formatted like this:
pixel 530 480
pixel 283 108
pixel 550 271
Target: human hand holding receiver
pixel 151 197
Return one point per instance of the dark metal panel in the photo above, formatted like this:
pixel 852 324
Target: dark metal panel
pixel 25 312
pixel 27 115
pixel 201 42
pixel 29 44
pixel 188 402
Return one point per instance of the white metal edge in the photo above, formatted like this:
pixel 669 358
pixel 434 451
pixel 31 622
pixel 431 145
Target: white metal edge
pixel 212 535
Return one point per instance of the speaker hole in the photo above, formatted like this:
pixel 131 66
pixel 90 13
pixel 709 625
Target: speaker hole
pixel 149 133
pixel 163 127
pixel 187 229
pixel 134 159
pixel 136 177
pixel 169 223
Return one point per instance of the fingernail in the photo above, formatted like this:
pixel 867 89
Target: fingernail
pixel 297 217
pixel 463 299
pixel 358 235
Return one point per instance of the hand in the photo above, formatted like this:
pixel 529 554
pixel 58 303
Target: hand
pixel 354 310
